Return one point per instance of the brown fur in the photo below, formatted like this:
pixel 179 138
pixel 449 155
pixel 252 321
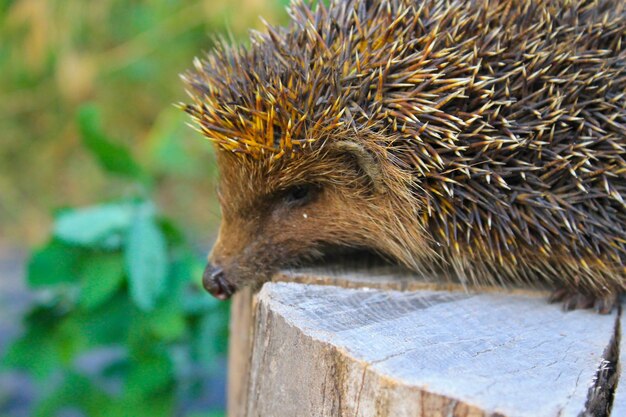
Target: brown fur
pixel 260 232
pixel 482 140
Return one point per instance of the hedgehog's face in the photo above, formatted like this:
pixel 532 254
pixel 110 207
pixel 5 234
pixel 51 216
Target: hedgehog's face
pixel 279 215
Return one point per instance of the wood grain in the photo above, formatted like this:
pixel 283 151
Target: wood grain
pixel 353 350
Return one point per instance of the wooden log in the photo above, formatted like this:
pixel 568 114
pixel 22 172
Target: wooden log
pixel 239 349
pixel 320 350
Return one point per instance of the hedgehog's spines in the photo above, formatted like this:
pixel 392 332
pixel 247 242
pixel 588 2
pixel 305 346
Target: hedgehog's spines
pixel 511 115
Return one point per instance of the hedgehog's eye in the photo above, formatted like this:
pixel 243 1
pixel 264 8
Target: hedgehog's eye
pixel 299 194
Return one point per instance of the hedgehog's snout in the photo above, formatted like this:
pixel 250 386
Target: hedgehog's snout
pixel 215 282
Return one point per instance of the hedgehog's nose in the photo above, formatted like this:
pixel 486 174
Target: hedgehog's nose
pixel 214 281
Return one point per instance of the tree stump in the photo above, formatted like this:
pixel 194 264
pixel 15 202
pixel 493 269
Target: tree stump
pixel 375 342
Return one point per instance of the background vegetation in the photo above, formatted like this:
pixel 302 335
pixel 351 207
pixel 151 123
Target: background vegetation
pixel 124 55
pixel 100 174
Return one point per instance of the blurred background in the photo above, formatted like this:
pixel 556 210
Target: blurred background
pixel 107 208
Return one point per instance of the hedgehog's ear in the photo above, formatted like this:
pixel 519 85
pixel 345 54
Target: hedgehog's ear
pixel 365 160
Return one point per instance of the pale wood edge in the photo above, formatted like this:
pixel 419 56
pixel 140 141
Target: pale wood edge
pixel 400 282
pixel 242 313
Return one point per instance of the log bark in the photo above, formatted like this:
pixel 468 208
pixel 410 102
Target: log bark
pixel 380 343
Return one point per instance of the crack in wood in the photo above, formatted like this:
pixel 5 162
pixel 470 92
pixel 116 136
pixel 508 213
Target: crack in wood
pixel 602 392
pixel 358 397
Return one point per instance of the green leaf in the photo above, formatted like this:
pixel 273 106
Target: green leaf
pixel 94 226
pixel 153 373
pixel 101 277
pixel 35 353
pixel 208 414
pixel 159 404
pixel 69 341
pixel 53 264
pixel 172 233
pixel 146 259
pixel 167 323
pixel 109 323
pixel 113 157
pixel 75 391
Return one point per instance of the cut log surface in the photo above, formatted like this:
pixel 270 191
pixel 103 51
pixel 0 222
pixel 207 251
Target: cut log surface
pixel 328 350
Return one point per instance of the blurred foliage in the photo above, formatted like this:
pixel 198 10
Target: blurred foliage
pixel 116 276
pixel 117 279
pixel 125 55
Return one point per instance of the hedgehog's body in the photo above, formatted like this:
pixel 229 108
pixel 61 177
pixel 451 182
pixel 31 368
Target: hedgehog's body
pixel 487 138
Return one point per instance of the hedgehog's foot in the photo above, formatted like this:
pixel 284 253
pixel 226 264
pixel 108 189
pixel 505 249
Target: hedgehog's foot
pixel 573 299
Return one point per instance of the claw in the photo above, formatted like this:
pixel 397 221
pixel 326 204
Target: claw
pixel 605 305
pixel 558 295
pixel 573 299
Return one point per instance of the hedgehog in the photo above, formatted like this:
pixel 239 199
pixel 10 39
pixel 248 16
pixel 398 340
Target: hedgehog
pixel 480 140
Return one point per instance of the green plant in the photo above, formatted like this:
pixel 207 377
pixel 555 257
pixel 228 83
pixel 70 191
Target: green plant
pixel 116 280
pixel 55 54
